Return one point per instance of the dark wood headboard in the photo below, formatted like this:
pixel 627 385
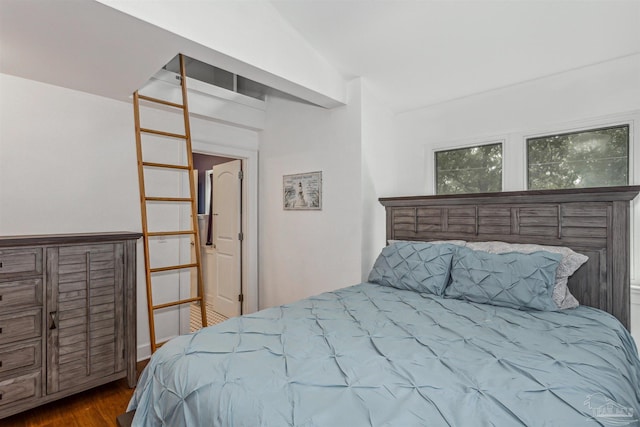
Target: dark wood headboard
pixel 592 221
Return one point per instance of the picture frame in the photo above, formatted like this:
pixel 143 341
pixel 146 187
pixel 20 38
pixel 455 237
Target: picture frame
pixel 302 191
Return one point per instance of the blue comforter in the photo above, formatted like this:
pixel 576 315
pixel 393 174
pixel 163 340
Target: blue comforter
pixel 374 355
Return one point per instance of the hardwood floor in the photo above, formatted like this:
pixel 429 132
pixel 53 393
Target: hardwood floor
pixel 97 407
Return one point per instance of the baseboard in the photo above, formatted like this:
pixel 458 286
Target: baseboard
pixel 144 352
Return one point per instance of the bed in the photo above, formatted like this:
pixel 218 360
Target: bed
pixel 421 348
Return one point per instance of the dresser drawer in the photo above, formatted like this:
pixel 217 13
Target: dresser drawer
pixel 20 325
pixel 20 262
pixel 20 388
pixel 20 356
pixel 20 293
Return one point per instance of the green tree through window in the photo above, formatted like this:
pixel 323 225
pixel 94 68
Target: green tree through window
pixel 469 170
pixel 592 158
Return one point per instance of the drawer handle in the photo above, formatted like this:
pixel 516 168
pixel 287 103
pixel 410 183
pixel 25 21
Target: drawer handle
pixel 52 316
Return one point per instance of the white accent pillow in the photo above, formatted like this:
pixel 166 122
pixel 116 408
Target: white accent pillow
pixel 570 262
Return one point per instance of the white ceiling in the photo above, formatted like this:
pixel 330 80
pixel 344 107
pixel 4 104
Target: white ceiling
pixel 411 53
pixel 81 45
pixel 421 52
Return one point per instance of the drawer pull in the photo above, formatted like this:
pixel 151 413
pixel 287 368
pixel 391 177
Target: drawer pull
pixel 52 316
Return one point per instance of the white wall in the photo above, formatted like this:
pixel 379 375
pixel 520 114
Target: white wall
pixel 379 154
pixel 591 92
pixel 67 161
pixel 68 165
pixel 304 253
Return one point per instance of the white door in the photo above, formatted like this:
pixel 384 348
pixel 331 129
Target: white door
pixel 226 238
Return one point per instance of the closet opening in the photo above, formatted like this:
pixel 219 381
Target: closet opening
pixel 220 204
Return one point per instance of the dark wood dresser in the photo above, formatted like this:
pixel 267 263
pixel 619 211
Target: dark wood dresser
pixel 67 315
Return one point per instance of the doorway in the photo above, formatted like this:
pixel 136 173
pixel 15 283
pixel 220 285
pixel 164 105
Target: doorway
pixel 219 189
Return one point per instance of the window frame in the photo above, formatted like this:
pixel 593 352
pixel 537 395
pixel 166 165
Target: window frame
pixel 628 124
pixel 463 146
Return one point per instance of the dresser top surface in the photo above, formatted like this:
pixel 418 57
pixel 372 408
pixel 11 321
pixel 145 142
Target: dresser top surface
pixel 57 239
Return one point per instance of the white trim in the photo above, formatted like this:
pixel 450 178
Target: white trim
pixel 461 144
pixel 249 216
pixel 207 190
pixel 143 352
pixel 208 102
pixel 210 90
pixel 585 125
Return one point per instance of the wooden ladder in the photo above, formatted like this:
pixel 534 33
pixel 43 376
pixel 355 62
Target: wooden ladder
pixel 144 199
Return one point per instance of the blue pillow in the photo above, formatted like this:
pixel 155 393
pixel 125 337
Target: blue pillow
pixel 513 279
pixel 414 266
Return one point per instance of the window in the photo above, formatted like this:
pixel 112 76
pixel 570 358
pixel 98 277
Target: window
pixel 469 170
pixel 590 158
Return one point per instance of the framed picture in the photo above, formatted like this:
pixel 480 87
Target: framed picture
pixel 302 191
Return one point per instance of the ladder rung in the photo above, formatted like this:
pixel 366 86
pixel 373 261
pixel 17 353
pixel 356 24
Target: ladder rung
pixel 164 165
pixel 168 199
pixel 171 304
pixel 173 267
pixel 161 101
pixel 163 133
pixel 170 233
